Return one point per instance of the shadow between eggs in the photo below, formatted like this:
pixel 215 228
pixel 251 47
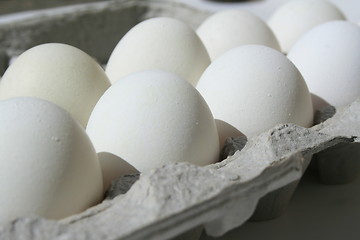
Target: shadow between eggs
pixel 113 167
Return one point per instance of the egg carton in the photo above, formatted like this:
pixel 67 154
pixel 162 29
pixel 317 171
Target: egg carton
pixel 254 181
pixel 94 27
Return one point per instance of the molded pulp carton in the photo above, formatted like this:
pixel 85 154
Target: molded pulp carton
pixel 255 180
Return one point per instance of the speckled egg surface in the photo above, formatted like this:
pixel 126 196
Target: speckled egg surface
pixel 159 44
pixel 232 28
pixel 296 17
pixel 253 88
pixel 48 165
pixel 59 73
pixel 328 58
pixel 150 118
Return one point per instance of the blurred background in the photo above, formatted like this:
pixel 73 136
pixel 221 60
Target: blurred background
pixel 263 8
pixel 11 6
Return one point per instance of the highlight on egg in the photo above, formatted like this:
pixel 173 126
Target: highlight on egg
pixel 228 29
pixel 253 88
pixel 48 165
pixel 159 44
pixel 151 118
pixel 328 58
pixel 58 73
pixel 296 17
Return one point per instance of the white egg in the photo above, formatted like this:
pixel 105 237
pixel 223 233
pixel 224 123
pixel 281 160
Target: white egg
pixel 253 88
pixel 296 17
pixel 151 118
pixel 159 44
pixel 48 165
pixel 59 73
pixel 328 57
pixel 228 29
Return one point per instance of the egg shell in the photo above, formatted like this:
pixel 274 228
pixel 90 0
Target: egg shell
pixel 228 29
pixel 255 87
pixel 59 73
pixel 159 44
pixel 328 57
pixel 48 165
pixel 151 118
pixel 296 17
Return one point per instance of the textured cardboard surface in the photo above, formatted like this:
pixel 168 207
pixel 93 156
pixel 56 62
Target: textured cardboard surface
pixel 178 197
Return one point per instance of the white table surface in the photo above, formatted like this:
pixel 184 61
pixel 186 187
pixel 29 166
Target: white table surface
pixel 316 212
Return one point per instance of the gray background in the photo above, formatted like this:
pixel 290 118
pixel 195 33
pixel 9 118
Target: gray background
pixel 316 212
